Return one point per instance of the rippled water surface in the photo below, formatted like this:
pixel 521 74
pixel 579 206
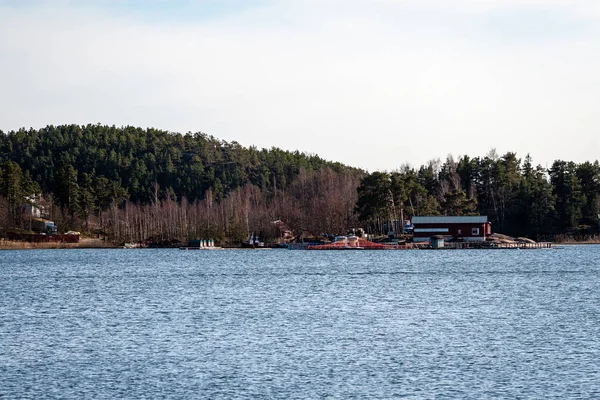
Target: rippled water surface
pixel 299 324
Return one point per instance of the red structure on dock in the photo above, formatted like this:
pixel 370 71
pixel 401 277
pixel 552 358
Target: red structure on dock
pixel 463 228
pixel 355 243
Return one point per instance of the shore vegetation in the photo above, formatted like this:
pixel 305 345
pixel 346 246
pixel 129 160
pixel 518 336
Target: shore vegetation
pixel 128 184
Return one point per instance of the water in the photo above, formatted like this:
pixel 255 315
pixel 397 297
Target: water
pixel 298 324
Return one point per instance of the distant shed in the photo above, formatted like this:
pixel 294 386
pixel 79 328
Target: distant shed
pixel 467 228
pixel 437 241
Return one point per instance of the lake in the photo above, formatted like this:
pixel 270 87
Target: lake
pixel 464 324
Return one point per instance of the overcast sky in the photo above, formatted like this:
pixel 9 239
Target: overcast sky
pixel 370 83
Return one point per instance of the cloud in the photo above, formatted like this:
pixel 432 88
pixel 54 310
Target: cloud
pixel 372 84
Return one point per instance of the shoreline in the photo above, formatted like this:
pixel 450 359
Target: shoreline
pixel 93 243
pixel 85 243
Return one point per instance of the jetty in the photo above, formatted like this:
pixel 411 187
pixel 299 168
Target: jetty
pixel 436 242
pixel 483 246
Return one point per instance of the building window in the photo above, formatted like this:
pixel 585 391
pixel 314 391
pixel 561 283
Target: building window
pixel 459 232
pixel 431 230
pixel 475 232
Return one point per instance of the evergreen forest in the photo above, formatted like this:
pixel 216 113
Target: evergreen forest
pixel 130 184
pixel 519 198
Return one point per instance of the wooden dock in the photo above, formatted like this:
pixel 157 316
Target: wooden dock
pixel 363 244
pixel 492 245
pixel 428 246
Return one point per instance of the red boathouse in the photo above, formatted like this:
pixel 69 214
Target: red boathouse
pixel 467 228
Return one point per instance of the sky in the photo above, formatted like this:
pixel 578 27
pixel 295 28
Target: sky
pixel 374 84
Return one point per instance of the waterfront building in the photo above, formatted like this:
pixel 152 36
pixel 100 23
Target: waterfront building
pixel 461 228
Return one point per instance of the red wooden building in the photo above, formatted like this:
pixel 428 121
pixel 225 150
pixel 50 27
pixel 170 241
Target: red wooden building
pixel 468 228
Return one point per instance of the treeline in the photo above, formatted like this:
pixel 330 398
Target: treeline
pixel 135 184
pixel 518 197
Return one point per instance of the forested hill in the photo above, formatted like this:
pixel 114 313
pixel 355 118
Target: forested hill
pixel 133 184
pixel 134 161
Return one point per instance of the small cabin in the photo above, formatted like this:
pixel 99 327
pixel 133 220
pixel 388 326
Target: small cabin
pixel 460 228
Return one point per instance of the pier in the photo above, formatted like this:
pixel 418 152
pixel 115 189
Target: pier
pixel 366 245
pixel 488 245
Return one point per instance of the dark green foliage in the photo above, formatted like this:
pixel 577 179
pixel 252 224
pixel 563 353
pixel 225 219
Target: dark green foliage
pixel 589 177
pixel 518 198
pixel 149 185
pixel 88 167
pixel 536 201
pixel 12 185
pixel 568 193
pixel 86 170
pixel 456 203
pixel 375 197
pixel 383 198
